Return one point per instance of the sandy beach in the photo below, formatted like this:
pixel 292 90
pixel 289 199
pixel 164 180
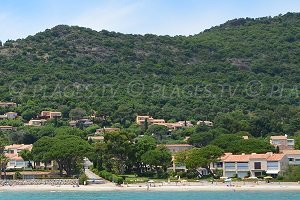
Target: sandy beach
pixel 158 187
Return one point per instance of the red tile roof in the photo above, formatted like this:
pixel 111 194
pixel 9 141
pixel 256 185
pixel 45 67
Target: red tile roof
pixel 178 145
pixel 276 157
pixel 291 152
pixel 247 157
pixel 237 158
pixel 278 137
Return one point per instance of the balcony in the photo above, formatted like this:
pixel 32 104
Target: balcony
pixel 229 168
pixel 243 168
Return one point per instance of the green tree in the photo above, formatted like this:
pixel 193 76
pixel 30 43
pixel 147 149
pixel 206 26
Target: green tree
pixel 297 140
pixel 3 163
pixel 200 157
pixel 119 146
pixel 77 113
pixel 68 151
pixel 97 156
pixel 26 155
pixel 223 141
pixel 28 115
pixel 251 145
pixel 159 157
pixel 142 146
pixel 200 139
pixel 67 130
pixel 158 131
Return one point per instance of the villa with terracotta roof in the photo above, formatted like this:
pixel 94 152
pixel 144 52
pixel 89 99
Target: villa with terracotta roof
pixel 170 126
pixel 7 104
pixel 106 130
pixel 282 142
pixel 9 115
pixel 36 122
pixel 174 148
pixel 293 156
pixel 16 161
pixel 254 165
pixel 6 128
pixel 50 114
pixel 140 120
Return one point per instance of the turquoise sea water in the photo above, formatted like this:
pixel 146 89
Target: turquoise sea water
pixel 149 195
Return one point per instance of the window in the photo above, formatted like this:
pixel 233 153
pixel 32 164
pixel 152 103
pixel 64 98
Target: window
pixel 276 142
pixel 20 164
pixel 12 163
pixel 257 165
pixel 272 165
pixel 37 164
pixel 219 164
pixel 291 159
pixel 257 174
pixel 230 165
pixel 242 165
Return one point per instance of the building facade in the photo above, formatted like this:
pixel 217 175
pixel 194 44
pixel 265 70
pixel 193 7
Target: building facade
pixel 293 156
pixel 282 142
pixel 175 148
pixel 254 165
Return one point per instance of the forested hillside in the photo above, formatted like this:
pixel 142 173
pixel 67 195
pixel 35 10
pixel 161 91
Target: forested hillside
pixel 244 75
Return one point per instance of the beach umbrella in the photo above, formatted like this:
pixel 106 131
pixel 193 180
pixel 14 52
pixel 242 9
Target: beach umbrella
pixel 268 177
pixel 253 177
pixel 224 177
pixel 228 180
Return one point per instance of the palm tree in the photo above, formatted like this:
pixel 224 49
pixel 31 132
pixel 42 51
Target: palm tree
pixel 27 156
pixel 3 163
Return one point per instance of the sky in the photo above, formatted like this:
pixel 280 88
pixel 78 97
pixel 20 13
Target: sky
pixel 20 18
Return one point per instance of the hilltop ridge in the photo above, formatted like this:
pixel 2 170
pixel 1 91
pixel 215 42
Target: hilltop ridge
pixel 121 75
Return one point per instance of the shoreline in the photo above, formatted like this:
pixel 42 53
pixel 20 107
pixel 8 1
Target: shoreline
pixel 143 188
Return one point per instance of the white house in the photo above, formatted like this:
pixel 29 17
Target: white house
pixel 11 115
pixel 205 123
pixel 6 128
pixel 7 104
pixel 36 122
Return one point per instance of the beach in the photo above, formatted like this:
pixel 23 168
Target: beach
pixel 238 186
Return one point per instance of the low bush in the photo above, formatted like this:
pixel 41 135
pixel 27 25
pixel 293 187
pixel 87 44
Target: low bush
pixel 83 178
pixel 110 176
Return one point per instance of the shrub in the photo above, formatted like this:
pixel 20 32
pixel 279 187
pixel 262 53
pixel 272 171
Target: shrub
pixel 83 178
pixel 18 175
pixel 110 176
pixel 162 175
pixel 181 174
pixel 149 174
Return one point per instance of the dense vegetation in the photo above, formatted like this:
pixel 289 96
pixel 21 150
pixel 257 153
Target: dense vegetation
pixel 248 66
